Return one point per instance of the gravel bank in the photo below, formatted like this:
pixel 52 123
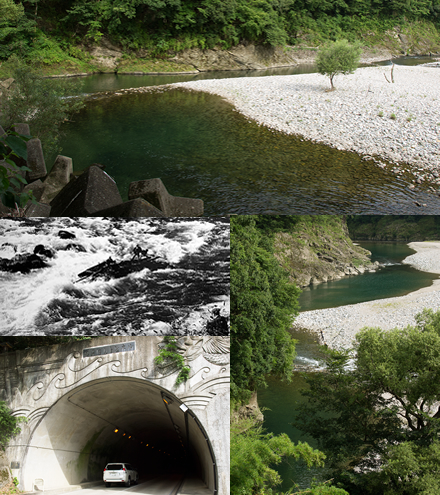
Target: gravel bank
pixel 348 118
pixel 338 326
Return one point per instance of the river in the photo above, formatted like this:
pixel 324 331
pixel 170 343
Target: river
pixel 176 297
pixel 201 148
pixel 281 398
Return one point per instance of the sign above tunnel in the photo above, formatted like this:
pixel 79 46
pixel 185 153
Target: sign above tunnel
pixel 109 349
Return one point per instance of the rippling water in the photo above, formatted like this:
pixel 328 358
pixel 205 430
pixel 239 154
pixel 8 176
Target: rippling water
pixel 180 298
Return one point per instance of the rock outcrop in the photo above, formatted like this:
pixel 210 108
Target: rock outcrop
pixel 318 253
pixel 245 56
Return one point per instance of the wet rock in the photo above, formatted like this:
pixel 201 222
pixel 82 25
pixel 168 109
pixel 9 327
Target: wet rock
pixel 74 247
pixel 43 251
pixel 23 263
pixel 64 234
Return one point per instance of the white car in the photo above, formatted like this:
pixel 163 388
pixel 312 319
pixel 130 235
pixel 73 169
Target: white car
pixel 120 472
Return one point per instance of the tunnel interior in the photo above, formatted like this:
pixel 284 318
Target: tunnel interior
pixel 117 420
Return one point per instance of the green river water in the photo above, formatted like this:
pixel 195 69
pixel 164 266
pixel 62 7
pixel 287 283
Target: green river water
pixel 281 398
pixel 201 148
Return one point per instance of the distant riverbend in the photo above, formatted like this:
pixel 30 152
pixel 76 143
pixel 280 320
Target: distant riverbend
pixel 338 326
pixel 398 122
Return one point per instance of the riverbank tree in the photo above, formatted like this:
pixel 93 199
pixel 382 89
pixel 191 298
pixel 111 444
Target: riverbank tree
pixel 376 413
pixel 263 303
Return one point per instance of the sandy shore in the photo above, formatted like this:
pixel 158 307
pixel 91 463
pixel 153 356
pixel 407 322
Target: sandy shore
pixel 399 121
pixel 338 326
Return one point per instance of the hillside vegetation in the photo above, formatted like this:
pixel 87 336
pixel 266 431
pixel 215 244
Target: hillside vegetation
pixel 63 31
pixel 394 227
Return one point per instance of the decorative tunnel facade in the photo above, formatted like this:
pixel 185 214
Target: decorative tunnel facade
pixel 116 405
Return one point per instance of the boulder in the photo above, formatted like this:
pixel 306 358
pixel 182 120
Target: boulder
pixel 135 208
pixel 57 178
pixel 92 191
pixel 65 234
pixel 154 191
pixel 35 160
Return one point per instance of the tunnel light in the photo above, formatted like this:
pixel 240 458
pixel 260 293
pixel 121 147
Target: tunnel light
pixel 167 399
pixel 129 436
pixel 183 407
pixel 123 435
pixel 116 431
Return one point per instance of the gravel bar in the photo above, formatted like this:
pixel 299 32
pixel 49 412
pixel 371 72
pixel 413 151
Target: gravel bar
pixel 348 118
pixel 337 327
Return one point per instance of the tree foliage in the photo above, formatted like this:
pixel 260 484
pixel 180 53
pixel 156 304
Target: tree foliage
pixel 254 453
pixel 263 303
pixel 13 147
pixel 338 58
pixel 42 103
pixel 162 25
pixel 381 415
pixel 8 425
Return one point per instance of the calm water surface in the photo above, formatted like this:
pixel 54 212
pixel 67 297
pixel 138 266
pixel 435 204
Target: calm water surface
pixel 393 280
pixel 201 148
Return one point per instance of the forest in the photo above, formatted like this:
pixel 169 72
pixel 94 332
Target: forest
pixel 45 28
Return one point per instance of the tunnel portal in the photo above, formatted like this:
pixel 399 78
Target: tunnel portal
pixel 85 410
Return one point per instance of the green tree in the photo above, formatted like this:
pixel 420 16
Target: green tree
pixel 263 303
pixel 254 453
pixel 42 103
pixel 338 58
pixel 381 411
pixel 15 29
pixel 8 425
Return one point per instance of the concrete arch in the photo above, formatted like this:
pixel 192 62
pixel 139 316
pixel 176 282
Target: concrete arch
pixel 116 419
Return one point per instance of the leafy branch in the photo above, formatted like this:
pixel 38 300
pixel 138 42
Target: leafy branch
pixel 169 352
pixel 13 144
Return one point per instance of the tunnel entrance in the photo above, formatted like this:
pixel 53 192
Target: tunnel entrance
pixel 117 420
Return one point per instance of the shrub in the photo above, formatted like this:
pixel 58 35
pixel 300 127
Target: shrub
pixel 338 58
